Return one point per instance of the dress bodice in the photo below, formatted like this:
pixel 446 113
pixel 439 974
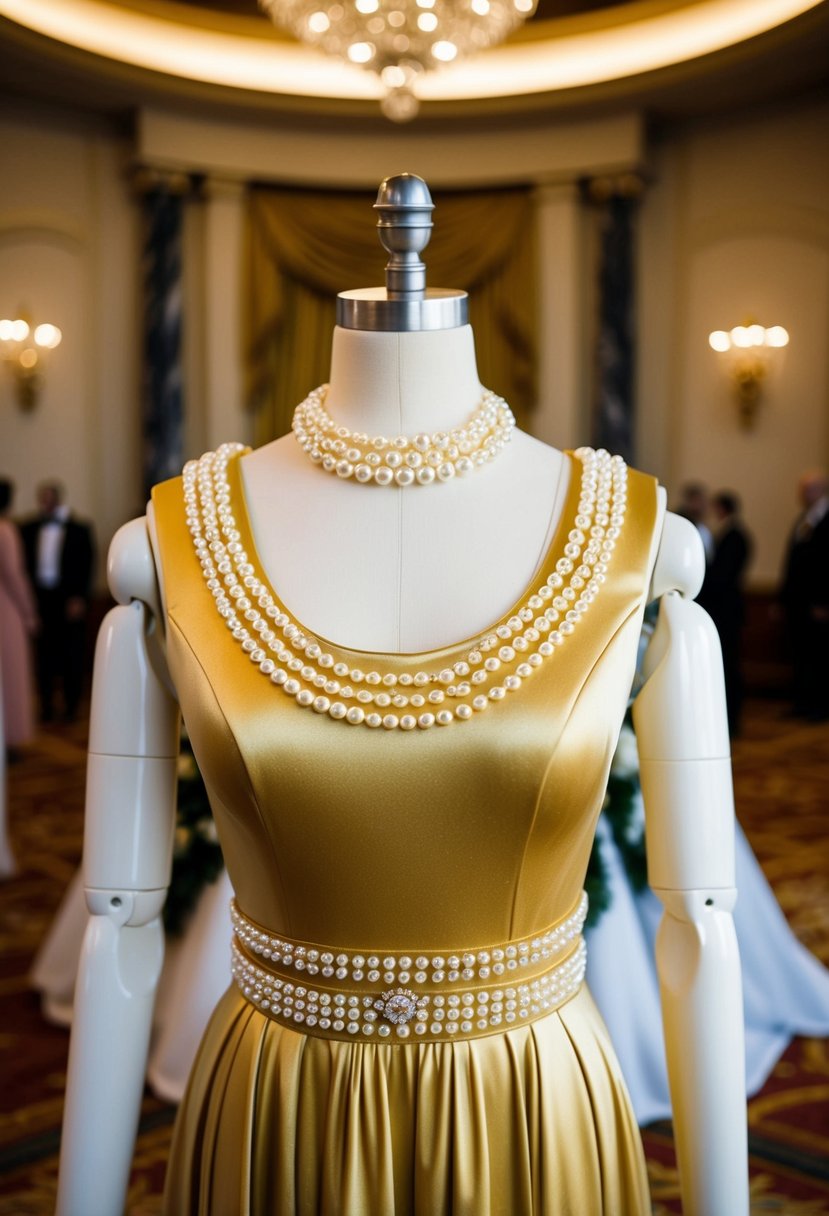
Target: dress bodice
pixel 477 833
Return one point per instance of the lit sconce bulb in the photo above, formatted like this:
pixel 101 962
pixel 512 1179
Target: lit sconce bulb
pixel 481 7
pixel 776 335
pixel 367 6
pixel 19 330
pixel 719 341
pixel 318 23
pixel 444 51
pixel 427 22
pixel 524 6
pixel 48 336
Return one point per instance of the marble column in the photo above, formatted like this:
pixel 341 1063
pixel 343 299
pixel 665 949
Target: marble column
pixel 162 423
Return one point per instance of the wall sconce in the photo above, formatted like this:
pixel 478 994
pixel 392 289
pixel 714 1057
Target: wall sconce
pixel 22 348
pixel 747 348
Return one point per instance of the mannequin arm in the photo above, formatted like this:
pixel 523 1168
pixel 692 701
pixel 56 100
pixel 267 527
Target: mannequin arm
pixel 130 805
pixel 682 735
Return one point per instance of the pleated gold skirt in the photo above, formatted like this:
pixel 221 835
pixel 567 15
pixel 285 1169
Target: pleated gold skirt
pixel 535 1121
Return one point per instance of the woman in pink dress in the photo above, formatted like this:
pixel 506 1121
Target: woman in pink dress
pixel 18 620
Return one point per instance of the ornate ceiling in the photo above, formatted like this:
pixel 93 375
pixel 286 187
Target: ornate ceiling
pixel 669 59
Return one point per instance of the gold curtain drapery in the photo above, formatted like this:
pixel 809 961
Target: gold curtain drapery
pixel 303 247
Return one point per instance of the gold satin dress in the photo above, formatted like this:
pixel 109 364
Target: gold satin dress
pixel 398 856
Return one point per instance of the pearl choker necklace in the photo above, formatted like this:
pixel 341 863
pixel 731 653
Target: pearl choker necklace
pixel 301 668
pixel 402 461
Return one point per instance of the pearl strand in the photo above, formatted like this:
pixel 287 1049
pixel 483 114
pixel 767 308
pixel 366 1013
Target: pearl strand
pixel 393 967
pixel 402 461
pixel 237 590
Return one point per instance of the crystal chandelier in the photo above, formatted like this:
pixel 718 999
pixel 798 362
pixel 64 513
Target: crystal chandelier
pixel 399 39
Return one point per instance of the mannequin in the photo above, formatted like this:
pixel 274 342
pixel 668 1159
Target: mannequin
pixel 394 374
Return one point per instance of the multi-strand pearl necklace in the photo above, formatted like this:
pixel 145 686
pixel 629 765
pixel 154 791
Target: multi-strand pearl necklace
pixel 402 461
pixel 296 663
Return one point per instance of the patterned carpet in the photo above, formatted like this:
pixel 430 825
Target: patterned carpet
pixel 781 777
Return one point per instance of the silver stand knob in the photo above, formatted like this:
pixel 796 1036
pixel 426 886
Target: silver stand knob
pixel 404 206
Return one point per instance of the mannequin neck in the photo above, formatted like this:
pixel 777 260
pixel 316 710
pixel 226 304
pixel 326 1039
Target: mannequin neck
pixel 403 383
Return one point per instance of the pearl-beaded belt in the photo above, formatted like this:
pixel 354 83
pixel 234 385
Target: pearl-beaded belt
pixel 396 996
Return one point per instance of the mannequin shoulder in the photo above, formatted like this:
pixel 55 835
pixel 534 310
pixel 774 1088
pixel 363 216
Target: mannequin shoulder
pixel 680 557
pixel 131 568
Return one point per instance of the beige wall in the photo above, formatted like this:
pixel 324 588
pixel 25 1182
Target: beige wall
pixel 734 222
pixel 69 255
pixel 736 225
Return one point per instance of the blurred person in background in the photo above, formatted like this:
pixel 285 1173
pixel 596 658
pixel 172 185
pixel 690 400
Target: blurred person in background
pixel 18 620
pixel 693 505
pixel 804 597
pixel 722 593
pixel 59 556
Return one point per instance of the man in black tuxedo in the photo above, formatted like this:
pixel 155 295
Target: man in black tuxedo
pixel 59 553
pixel 805 598
pixel 722 593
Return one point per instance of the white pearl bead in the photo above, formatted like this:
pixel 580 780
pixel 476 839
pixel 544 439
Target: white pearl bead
pixel 463 712
pixel 404 476
pixel 425 475
pixel 480 702
pixel 393 459
pixel 292 687
pixel 444 717
pixel 321 705
pixel 363 473
pixel 383 476
pixel 425 721
pixel 355 715
pixel 337 710
pixel 391 721
pixel 408 722
pixel 374 720
pixel 305 697
pixel 446 471
pixel 344 468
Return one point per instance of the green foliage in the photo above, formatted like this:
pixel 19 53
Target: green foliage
pixel 622 811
